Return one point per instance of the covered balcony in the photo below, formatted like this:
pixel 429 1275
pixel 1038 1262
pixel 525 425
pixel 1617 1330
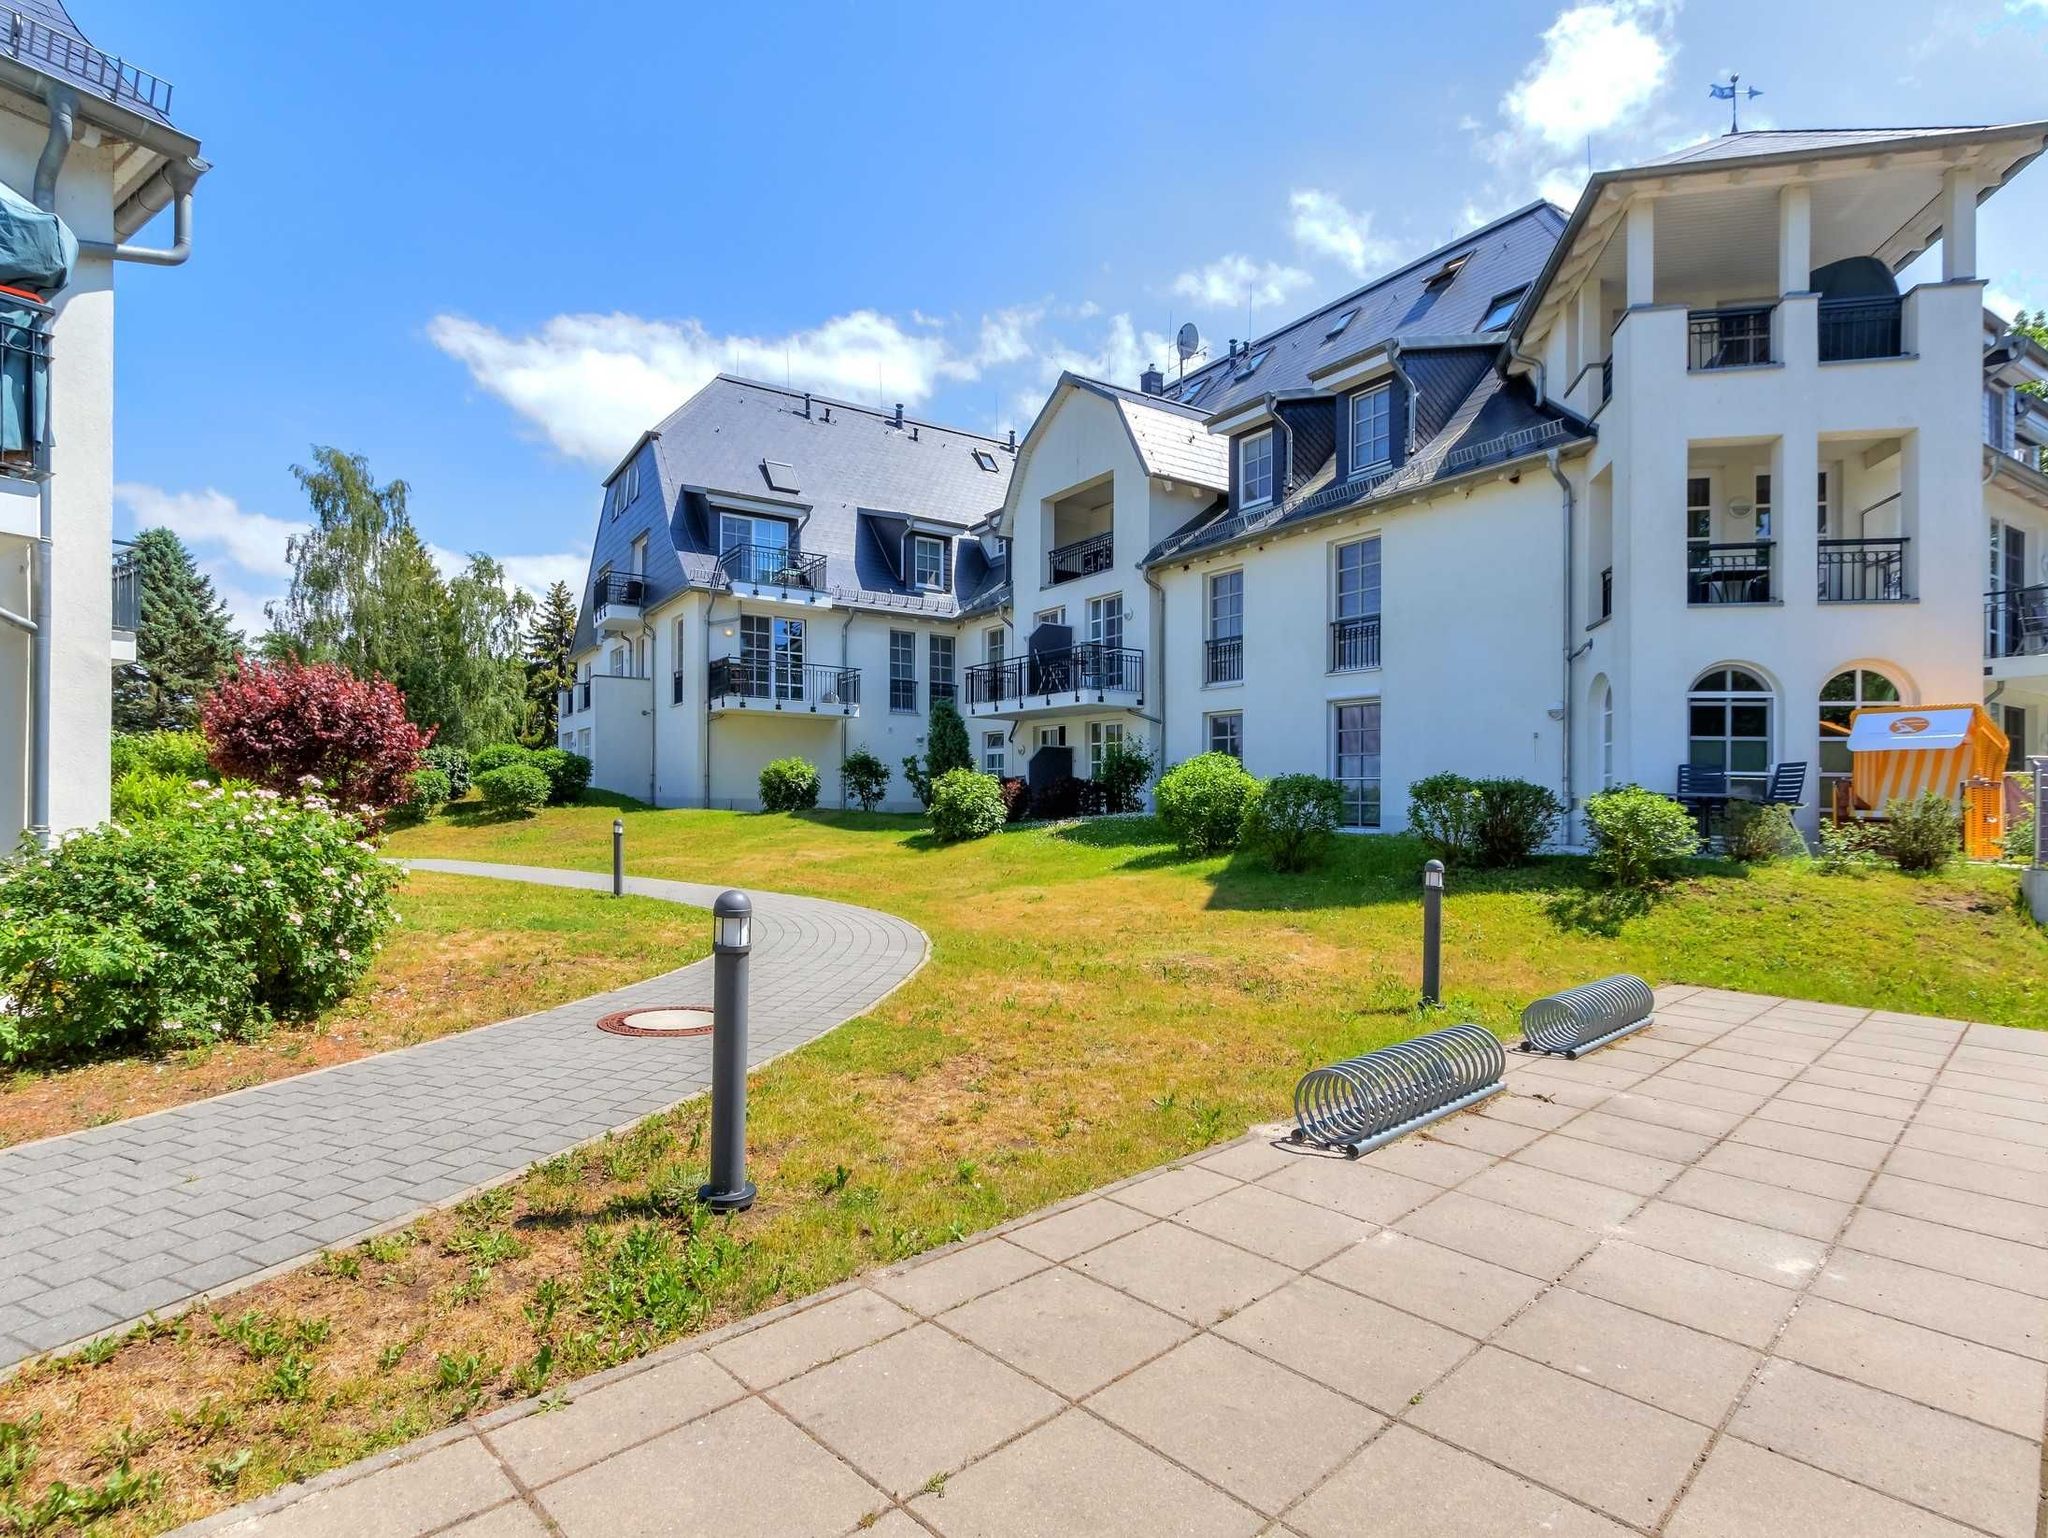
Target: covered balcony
pixel 1080 535
pixel 1081 677
pixel 616 601
pixel 771 685
pixel 2016 631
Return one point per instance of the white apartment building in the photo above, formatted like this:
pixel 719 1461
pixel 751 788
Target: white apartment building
pixel 88 138
pixel 1523 506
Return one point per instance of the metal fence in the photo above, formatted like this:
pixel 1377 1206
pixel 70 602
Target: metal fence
pixel 1354 643
pixel 60 53
pixel 1862 570
pixel 1859 328
pixel 127 587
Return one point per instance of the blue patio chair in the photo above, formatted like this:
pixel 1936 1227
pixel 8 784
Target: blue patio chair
pixel 1788 786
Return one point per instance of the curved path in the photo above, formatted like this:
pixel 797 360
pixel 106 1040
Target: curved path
pixel 98 1228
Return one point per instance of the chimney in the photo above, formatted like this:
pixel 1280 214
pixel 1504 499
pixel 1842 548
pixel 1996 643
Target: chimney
pixel 1013 440
pixel 807 405
pixel 1233 348
pixel 899 413
pixel 1152 382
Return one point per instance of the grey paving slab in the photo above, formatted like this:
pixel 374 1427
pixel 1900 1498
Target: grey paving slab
pixel 201 1198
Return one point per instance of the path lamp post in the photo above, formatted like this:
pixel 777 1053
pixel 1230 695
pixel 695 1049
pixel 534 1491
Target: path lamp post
pixel 618 857
pixel 732 937
pixel 1432 932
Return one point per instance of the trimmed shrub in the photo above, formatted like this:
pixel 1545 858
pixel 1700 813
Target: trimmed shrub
pixel 789 785
pixel 1639 837
pixel 429 793
pixel 241 908
pixel 1756 834
pixel 497 756
pixel 864 778
pixel 1016 799
pixel 453 762
pixel 1443 811
pixel 284 726
pixel 1122 775
pixel 1293 819
pixel 177 755
pixel 568 774
pixel 513 789
pixel 1922 834
pixel 966 804
pixel 1202 802
pixel 1489 823
pixel 946 747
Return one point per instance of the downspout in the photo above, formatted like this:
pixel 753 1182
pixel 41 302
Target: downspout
pixel 172 184
pixel 1407 389
pixel 42 665
pixel 1565 717
pixel 1158 652
pixel 653 718
pixel 1534 364
pixel 845 661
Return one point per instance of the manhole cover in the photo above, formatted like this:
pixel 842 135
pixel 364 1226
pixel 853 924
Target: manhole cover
pixel 665 1020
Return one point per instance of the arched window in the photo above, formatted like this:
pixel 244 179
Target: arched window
pixel 1839 697
pixel 1728 718
pixel 1606 736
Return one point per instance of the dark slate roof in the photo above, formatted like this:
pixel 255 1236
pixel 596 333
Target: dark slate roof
pixel 1469 417
pixel 54 44
pixel 1504 255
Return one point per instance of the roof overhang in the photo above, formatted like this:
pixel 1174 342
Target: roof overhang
pixel 2011 475
pixel 631 454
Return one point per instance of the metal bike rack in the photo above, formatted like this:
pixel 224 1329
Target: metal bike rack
pixel 1577 1020
pixel 1363 1102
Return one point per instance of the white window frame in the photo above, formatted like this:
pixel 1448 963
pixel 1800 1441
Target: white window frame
pixel 994 753
pixel 1054 736
pixel 1215 718
pixel 1607 736
pixel 1728 700
pixel 1057 615
pixel 919 543
pixel 1106 615
pixel 1380 399
pixel 1370 785
pixel 1100 735
pixel 994 643
pixel 1263 440
pixel 907 675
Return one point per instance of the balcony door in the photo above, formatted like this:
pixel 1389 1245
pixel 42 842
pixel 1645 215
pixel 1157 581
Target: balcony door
pixel 763 546
pixel 2009 554
pixel 772 651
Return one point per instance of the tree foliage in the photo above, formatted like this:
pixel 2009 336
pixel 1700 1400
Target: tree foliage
pixel 184 642
pixel 550 635
pixel 277 725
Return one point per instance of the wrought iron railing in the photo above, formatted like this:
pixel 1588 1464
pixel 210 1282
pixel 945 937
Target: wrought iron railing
pixel 1860 328
pixel 46 48
pixel 772 566
pixel 24 389
pixel 1862 570
pixel 2016 622
pixel 127 587
pixel 784 684
pixel 1088 668
pixel 1606 592
pixel 1223 659
pixel 1736 337
pixel 1082 558
pixel 1607 378
pixel 1354 643
pixel 1729 573
pixel 616 589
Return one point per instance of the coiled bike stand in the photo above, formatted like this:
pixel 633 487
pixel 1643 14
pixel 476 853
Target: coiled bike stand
pixel 1363 1102
pixel 1580 1019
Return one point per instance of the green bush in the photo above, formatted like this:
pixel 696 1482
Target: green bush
pixel 240 909
pixel 2018 844
pixel 513 789
pixel 1490 823
pixel 178 755
pixel 1293 818
pixel 1847 849
pixel 946 746
pixel 453 762
pixel 1122 774
pixel 1757 834
pixel 789 785
pixel 568 773
pixel 1639 837
pixel 966 804
pixel 427 794
pixel 497 756
pixel 1921 834
pixel 1202 802
pixel 1443 811
pixel 864 778
pixel 140 795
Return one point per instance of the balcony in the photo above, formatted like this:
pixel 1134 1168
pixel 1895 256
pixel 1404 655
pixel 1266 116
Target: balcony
pixel 24 402
pixel 1737 337
pixel 2016 623
pixel 1223 660
pixel 1862 570
pixel 1082 558
pixel 1860 328
pixel 127 589
pixel 769 684
pixel 1354 643
pixel 616 599
pixel 1717 574
pixel 1607 592
pixel 1079 677
pixel 773 571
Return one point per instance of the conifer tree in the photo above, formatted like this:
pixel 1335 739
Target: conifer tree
pixel 184 640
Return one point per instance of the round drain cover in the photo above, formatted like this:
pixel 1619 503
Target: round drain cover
pixel 661 1020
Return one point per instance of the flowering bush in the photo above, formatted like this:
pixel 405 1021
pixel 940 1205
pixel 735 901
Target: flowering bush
pixel 514 788
pixel 241 908
pixel 966 804
pixel 428 794
pixel 276 725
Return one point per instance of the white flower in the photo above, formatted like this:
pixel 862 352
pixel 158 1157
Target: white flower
pixel 197 784
pixel 293 918
pixel 238 870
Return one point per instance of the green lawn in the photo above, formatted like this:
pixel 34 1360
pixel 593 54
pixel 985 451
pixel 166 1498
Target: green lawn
pixel 1094 1005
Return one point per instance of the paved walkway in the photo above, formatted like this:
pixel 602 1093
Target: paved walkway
pixel 1768 1268
pixel 101 1227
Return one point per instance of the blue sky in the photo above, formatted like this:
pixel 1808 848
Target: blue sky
pixel 486 245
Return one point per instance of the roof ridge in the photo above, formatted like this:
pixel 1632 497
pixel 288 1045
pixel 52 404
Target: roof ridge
pixel 790 392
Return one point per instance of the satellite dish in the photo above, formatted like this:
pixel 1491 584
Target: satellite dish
pixel 1189 342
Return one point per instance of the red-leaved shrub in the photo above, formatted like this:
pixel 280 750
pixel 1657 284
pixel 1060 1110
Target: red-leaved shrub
pixel 276 725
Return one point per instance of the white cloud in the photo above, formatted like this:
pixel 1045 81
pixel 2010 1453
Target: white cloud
pixel 1006 336
pixel 531 574
pixel 591 383
pixel 212 521
pixel 1323 226
pixel 1600 66
pixel 1226 283
pixel 1121 355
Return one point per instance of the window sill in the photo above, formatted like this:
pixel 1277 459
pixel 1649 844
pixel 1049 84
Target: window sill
pixel 1732 368
pixel 1768 603
pixel 1223 683
pixel 1371 667
pixel 1596 624
pixel 1895 357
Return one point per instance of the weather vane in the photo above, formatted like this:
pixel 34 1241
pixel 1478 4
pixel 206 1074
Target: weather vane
pixel 1734 93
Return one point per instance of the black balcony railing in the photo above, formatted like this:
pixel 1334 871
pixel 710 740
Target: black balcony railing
pixel 1089 668
pixel 1223 659
pixel 127 589
pixel 617 589
pixel 1728 573
pixel 1082 558
pixel 1607 378
pixel 1862 570
pixel 784 685
pixel 1859 328
pixel 772 566
pixel 24 404
pixel 1606 592
pixel 677 687
pixel 1732 338
pixel 1354 643
pixel 2016 622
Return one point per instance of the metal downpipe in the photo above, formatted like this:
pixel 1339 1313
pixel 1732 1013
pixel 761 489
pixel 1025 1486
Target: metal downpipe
pixel 42 664
pixel 1564 484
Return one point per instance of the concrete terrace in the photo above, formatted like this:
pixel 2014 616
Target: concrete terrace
pixel 101 1227
pixel 1767 1268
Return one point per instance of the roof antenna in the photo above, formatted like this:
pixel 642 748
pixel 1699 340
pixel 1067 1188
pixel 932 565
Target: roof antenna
pixel 1734 93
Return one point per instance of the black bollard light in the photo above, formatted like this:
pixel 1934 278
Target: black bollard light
pixel 1432 931
pixel 732 937
pixel 618 857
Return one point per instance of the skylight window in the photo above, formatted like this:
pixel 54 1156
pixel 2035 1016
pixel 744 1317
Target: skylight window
pixel 1438 283
pixel 1502 310
pixel 1249 362
pixel 1190 393
pixel 985 459
pixel 1338 325
pixel 781 475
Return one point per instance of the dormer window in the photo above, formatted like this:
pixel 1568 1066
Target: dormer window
pixel 1502 310
pixel 1255 469
pixel 927 561
pixel 1372 438
pixel 626 488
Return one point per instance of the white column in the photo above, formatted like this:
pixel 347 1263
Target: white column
pixel 1795 238
pixel 1958 224
pixel 1641 250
